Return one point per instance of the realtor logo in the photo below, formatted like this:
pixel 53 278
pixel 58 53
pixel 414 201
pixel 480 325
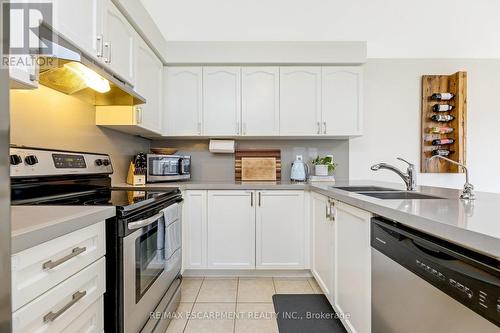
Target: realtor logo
pixel 21 22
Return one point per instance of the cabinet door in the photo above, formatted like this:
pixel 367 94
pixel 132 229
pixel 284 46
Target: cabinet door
pixel 183 101
pixel 323 249
pixel 82 22
pixel 300 100
pixel 280 229
pixel 119 38
pixel 221 100
pixel 342 96
pixel 149 85
pixel 260 100
pixel 194 245
pixel 231 229
pixel 353 266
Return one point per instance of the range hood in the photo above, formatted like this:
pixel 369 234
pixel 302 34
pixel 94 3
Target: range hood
pixel 68 69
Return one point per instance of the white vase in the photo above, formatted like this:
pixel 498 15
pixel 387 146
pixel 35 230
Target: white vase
pixel 321 170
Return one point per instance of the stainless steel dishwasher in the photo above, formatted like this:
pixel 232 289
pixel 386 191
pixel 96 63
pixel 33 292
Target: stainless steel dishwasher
pixel 424 284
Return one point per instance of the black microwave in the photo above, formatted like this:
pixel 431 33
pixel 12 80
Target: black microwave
pixel 164 168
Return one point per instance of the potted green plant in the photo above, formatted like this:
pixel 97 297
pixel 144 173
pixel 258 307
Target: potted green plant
pixel 323 165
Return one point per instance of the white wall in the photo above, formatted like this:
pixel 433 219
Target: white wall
pixel 392 120
pixel 393 28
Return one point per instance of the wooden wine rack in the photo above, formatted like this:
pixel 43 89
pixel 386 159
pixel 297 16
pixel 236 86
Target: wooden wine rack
pixel 457 85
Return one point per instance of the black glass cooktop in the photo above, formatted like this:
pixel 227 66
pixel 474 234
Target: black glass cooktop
pixel 120 198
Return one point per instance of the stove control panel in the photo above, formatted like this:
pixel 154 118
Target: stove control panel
pixel 32 162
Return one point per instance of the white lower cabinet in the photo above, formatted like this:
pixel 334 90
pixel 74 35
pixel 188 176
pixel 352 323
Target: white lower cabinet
pixel 352 292
pixel 231 229
pixel 40 268
pixel 58 309
pixel 323 245
pixel 194 229
pixel 280 229
pixel 239 229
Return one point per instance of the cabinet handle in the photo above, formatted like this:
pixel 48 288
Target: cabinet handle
pixel 199 128
pixel 327 209
pixel 51 316
pixel 244 128
pixel 138 117
pixel 53 264
pixel 259 199
pixel 100 46
pixel 251 199
pixel 324 127
pixel 332 213
pixel 238 128
pixel 318 125
pixel 107 58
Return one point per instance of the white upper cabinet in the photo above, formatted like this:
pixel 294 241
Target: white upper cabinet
pixel 300 100
pixel 231 229
pixel 118 47
pixel 82 22
pixel 341 98
pixel 260 101
pixel 183 101
pixel 149 85
pixel 221 101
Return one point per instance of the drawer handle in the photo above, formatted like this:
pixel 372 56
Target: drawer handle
pixel 51 316
pixel 53 264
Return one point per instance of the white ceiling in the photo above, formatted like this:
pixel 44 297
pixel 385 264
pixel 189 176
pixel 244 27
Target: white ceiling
pixel 392 28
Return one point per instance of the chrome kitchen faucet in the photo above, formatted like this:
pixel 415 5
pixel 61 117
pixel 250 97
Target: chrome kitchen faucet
pixel 410 177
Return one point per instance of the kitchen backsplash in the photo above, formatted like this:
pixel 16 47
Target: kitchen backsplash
pixel 49 119
pixel 207 166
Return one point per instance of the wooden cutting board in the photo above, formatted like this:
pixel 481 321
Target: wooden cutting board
pixel 275 154
pixel 258 168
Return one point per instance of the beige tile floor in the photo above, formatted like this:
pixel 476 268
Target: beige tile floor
pixel 239 305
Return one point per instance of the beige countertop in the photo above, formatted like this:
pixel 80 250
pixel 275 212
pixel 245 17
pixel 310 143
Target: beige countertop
pixel 33 225
pixel 472 224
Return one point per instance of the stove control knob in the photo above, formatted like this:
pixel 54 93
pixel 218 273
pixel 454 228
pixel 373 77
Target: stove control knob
pixel 105 162
pixel 31 160
pixel 98 162
pixel 15 159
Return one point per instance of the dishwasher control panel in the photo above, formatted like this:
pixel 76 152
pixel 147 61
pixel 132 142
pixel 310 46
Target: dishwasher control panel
pixel 467 280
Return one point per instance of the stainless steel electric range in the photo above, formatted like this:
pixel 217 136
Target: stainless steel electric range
pixel 143 241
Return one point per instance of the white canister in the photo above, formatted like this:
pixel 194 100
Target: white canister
pixel 321 170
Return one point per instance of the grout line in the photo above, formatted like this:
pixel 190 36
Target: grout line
pixel 194 302
pixel 236 303
pixel 199 291
pixel 185 325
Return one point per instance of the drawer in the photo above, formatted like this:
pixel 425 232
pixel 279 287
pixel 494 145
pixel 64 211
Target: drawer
pixel 36 270
pixel 60 307
pixel 90 321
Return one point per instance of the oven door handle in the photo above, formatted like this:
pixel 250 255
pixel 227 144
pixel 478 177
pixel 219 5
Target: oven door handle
pixel 145 222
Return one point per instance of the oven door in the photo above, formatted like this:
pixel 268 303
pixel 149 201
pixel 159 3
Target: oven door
pixel 151 262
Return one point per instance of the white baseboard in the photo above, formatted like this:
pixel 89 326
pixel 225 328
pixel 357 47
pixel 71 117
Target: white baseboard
pixel 246 273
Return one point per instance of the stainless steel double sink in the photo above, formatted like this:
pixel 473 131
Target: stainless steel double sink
pixel 385 193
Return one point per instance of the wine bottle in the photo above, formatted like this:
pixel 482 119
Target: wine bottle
pixel 442 117
pixel 441 142
pixel 442 96
pixel 441 130
pixel 442 107
pixel 441 152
